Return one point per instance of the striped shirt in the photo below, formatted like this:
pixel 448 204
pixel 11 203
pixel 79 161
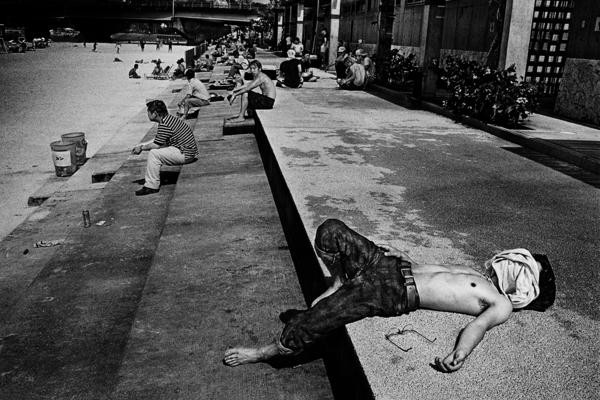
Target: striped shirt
pixel 175 132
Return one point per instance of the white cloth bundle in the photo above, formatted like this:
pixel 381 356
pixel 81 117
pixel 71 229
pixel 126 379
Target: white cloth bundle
pixel 518 275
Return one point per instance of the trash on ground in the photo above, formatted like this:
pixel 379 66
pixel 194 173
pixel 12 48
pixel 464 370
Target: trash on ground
pixel 100 223
pixel 47 243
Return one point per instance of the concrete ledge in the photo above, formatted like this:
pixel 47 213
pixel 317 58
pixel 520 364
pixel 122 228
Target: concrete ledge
pixel 238 128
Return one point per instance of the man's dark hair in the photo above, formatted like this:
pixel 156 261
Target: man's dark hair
pixel 135 65
pixel 255 62
pixel 547 285
pixel 157 106
pixel 189 73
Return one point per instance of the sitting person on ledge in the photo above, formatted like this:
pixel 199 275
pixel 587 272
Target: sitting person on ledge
pixel 195 96
pixel 133 72
pixel 356 75
pixel 251 100
pixel 174 144
pixel 179 71
pixel 290 71
pixel 370 280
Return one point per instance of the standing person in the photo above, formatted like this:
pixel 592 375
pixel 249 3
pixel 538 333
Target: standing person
pixel 252 100
pixel 324 51
pixel 370 280
pixel 355 79
pixel 142 44
pixel 95 46
pixel 290 71
pixel 170 43
pixel 158 44
pixel 298 47
pixel 118 47
pixel 174 144
pixel 195 96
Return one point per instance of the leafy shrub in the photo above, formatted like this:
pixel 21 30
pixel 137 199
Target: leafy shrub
pixel 492 96
pixel 398 71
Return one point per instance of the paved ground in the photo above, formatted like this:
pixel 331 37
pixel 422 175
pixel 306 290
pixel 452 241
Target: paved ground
pixel 144 305
pixel 448 194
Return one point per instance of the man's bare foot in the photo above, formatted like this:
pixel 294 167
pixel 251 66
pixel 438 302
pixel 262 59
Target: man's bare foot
pixel 247 355
pixel 237 119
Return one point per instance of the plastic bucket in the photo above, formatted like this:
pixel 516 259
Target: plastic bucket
pixel 81 145
pixel 64 158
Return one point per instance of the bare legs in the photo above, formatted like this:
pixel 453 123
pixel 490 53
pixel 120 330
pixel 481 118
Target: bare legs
pixel 245 355
pixel 243 108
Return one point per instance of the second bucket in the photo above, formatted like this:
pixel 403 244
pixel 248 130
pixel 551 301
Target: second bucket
pixel 80 145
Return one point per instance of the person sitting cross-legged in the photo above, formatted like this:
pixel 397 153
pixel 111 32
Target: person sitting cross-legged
pixel 290 71
pixel 174 144
pixel 195 96
pixel 370 280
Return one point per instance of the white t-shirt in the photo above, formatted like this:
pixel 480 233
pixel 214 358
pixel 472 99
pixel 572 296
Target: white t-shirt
pixel 197 89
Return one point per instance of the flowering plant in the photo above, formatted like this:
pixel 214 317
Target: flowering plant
pixel 492 96
pixel 398 70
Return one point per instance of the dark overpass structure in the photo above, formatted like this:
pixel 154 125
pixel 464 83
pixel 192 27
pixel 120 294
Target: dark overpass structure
pixel 98 19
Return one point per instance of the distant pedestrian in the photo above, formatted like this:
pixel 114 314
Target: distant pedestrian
pixel 170 43
pixel 142 44
pixel 158 44
pixel 118 47
pixel 95 46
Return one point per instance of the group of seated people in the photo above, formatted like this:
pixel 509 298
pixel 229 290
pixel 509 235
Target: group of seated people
pixel 294 71
pixel 354 72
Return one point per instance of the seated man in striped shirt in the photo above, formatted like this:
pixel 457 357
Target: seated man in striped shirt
pixel 174 144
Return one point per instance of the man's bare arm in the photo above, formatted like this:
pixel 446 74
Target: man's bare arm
pixel 473 333
pixel 248 86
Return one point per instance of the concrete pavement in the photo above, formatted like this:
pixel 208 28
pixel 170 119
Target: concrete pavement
pixel 406 177
pixel 449 194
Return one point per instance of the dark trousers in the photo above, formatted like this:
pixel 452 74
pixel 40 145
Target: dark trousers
pixel 372 286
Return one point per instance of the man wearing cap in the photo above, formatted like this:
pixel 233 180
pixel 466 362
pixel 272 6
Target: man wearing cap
pixel 355 76
pixel 340 63
pixel 195 96
pixel 174 144
pixel 371 280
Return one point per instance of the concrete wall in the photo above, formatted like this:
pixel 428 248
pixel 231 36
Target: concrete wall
pixel 579 93
pixel 585 30
pixel 517 34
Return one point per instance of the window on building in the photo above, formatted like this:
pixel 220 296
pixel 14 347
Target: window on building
pixel 553 48
pixel 597 27
pixel 559 59
pixel 530 68
pixel 539 69
pixel 550 59
pixel 555 37
pixel 545 46
pixel 563 46
pixel 558 70
pixel 536 14
pixel 565 36
pixel 568 16
pixel 538 3
pixel 532 57
pixel 566 27
pixel 548 70
pixel 542 58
